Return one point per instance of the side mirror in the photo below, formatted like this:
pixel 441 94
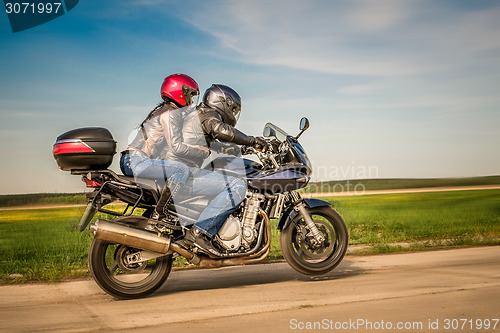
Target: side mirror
pixel 304 124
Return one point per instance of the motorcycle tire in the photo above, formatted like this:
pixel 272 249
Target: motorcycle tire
pixel 303 255
pixel 115 277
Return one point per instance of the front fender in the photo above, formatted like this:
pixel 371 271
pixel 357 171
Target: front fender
pixel 313 203
pixel 290 213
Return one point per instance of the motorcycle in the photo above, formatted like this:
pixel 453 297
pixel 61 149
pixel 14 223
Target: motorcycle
pixel 131 255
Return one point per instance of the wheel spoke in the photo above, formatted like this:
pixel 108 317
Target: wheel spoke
pixel 114 267
pixel 301 253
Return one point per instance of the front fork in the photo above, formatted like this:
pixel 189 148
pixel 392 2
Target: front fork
pixel 301 207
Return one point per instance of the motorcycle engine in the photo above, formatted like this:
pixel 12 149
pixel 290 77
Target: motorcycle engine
pixel 236 233
pixel 230 234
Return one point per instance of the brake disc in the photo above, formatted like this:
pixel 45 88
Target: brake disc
pixel 322 250
pixel 121 256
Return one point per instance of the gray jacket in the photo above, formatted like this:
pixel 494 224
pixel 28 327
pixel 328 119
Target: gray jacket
pixel 161 133
pixel 204 127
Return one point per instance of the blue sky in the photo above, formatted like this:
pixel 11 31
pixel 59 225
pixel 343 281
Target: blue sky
pixel 392 88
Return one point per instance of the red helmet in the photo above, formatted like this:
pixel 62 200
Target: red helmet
pixel 180 89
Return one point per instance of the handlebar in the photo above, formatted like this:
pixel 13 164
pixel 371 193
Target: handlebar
pixel 266 156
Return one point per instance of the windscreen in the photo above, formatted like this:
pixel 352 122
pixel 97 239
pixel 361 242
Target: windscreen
pixel 271 130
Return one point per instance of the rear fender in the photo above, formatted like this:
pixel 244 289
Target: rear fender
pixel 290 213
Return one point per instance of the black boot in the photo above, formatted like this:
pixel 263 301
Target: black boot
pixel 196 238
pixel 170 190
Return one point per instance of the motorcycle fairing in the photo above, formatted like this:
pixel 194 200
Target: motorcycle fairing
pixel 283 180
pixel 289 214
pixel 236 166
pixel 300 156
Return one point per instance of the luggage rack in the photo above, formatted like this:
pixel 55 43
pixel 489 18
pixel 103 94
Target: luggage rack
pixel 114 184
pixel 111 183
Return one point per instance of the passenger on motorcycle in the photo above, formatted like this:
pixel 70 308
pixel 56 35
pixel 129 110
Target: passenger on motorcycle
pixel 142 157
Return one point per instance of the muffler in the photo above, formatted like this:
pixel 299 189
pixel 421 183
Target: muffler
pixel 136 238
pixel 145 240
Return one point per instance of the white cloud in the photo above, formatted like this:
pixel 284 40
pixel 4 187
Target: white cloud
pixel 375 38
pixel 360 89
pixel 370 16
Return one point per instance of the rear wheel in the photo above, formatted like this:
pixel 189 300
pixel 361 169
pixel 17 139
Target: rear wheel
pixel 301 250
pixel 115 274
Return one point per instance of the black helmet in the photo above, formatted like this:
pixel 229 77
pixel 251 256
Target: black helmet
pixel 225 100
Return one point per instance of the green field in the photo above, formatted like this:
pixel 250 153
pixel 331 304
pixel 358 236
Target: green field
pixel 44 245
pixel 376 219
pixel 38 199
pixel 398 183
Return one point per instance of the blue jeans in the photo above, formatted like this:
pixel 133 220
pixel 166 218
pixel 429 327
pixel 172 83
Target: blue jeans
pixel 229 192
pixel 225 192
pixel 160 170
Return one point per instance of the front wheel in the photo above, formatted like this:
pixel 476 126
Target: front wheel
pixel 112 271
pixel 303 253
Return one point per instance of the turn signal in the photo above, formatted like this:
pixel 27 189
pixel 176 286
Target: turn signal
pixel 90 182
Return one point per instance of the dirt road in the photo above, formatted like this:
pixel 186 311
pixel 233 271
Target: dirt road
pixel 405 289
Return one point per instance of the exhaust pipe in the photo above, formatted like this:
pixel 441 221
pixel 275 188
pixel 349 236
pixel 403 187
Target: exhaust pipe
pixel 139 239
pixel 122 234
pixel 145 240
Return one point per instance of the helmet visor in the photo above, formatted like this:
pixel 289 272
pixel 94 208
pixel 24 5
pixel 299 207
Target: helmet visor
pixel 191 95
pixel 194 99
pixel 236 113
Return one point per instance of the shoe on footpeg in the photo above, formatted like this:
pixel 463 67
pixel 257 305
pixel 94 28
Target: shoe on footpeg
pixel 196 238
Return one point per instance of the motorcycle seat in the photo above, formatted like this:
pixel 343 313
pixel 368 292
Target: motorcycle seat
pixel 141 182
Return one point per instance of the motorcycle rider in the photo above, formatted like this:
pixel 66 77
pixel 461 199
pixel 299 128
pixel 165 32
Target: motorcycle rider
pixel 141 158
pixel 212 123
